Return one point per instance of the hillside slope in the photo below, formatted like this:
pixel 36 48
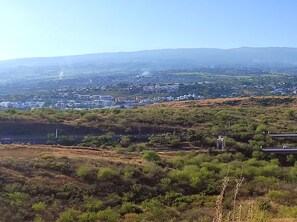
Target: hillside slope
pixel 163 59
pixel 55 183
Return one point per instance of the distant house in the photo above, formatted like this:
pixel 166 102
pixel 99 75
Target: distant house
pixel 120 99
pixel 109 98
pixel 148 88
pixel 84 97
pixel 96 97
pixel 169 98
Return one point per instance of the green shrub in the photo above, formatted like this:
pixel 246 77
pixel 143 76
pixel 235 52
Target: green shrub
pixel 132 148
pixel 151 155
pixel 66 140
pixel 87 217
pixel 129 207
pixel 46 156
pixel 39 207
pixel 92 204
pixel 153 210
pixel 17 198
pixel 129 172
pixel 84 172
pixel 287 212
pixel 108 215
pixel 107 173
pixel 38 218
pixel 153 170
pixel 125 141
pixel 90 117
pixel 69 215
pixel 97 141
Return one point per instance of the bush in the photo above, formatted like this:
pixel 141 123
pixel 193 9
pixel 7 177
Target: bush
pixel 17 198
pixel 90 117
pixel 125 141
pixel 151 155
pixel 131 217
pixel 108 215
pixel 153 209
pixel 66 140
pixel 129 172
pixel 38 218
pixel 97 141
pixel 225 157
pixel 84 172
pixel 69 215
pixel 132 148
pixel 285 211
pixel 129 207
pixel 38 207
pixel 107 173
pixel 88 217
pixel 153 169
pixel 92 204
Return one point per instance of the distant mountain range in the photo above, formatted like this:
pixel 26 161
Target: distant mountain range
pixel 271 57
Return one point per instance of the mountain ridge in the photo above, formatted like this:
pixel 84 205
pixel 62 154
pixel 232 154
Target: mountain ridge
pixel 164 52
pixel 269 58
pixel 142 51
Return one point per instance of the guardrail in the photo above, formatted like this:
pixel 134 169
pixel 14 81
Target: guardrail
pixel 280 150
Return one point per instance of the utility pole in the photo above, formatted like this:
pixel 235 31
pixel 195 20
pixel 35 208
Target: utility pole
pixel 57 133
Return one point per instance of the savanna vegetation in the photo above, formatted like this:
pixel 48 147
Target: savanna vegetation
pixel 65 184
pixel 117 173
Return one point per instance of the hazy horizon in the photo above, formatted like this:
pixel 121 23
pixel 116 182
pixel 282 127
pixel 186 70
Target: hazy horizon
pixel 36 28
pixel 143 50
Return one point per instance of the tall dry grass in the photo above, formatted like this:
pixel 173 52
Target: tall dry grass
pixel 219 201
pixel 244 211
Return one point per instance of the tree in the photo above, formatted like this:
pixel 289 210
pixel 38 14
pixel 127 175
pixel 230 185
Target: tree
pixel 150 155
pixel 261 128
pixel 66 140
pixel 125 141
pixel 50 139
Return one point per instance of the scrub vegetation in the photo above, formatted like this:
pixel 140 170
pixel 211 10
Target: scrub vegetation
pixel 156 163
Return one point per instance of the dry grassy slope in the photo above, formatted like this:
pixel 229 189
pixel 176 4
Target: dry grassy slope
pixel 35 151
pixel 23 124
pixel 16 151
pixel 264 101
pixel 24 154
pixel 284 220
pixel 32 153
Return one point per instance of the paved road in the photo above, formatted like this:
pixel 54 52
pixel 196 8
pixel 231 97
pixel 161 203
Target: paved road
pixel 280 150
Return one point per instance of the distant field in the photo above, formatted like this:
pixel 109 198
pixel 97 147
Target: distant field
pixel 192 73
pixel 205 74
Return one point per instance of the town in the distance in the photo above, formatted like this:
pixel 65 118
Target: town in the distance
pixel 126 80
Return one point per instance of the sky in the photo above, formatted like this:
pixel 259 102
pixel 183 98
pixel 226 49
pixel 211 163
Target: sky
pixel 38 28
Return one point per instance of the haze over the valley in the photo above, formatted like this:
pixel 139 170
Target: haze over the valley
pixel 163 59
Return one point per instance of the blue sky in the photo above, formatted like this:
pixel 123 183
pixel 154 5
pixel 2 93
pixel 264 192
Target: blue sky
pixel 32 28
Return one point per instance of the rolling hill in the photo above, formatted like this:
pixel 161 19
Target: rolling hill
pixel 163 59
